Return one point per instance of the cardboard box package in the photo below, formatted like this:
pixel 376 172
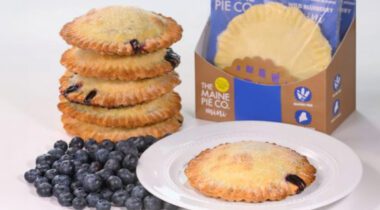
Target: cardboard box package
pixel 321 102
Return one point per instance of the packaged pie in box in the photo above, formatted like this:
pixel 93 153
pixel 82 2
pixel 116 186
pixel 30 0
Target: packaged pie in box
pixel 290 61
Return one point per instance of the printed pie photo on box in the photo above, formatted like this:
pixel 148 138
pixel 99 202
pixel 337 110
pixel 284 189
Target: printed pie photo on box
pixel 284 61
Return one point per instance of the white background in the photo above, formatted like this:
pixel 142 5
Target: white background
pixel 30 49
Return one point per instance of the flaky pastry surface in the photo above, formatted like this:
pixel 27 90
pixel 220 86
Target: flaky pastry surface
pixel 249 171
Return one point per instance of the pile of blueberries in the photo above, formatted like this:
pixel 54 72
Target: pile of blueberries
pixel 90 174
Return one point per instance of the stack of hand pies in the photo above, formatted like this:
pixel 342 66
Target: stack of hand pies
pixel 120 75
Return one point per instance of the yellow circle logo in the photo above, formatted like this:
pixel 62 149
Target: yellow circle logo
pixel 222 84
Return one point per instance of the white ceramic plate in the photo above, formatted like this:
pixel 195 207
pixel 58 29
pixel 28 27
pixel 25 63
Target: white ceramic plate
pixel 161 167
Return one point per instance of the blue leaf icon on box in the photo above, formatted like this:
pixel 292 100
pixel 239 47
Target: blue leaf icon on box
pixel 337 83
pixel 303 117
pixel 303 94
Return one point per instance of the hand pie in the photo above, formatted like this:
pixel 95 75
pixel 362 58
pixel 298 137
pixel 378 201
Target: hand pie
pixel 99 133
pixel 151 112
pixel 88 63
pixel 122 30
pixel 250 171
pixel 115 93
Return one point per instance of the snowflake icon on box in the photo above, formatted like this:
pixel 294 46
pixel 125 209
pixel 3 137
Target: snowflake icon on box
pixel 303 94
pixel 337 83
pixel 303 117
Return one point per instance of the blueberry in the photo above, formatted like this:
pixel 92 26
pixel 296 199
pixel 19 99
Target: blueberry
pixel 117 155
pixel 108 145
pixel 77 164
pixel 40 180
pixel 71 151
pixel 31 175
pixel 133 204
pixel 44 190
pixel 130 162
pixel 103 205
pixel 139 143
pixel 139 192
pixel 126 176
pixel 45 159
pixel 91 155
pixel 114 183
pixel 75 185
pixel 149 140
pixel 51 173
pixel 65 199
pixel 66 167
pixel 56 153
pixel 66 157
pixel 127 147
pixel 61 145
pixel 95 166
pixel 106 194
pixel 129 188
pixel 152 203
pixel 61 179
pixel 85 166
pixel 80 192
pixel 89 96
pixel 41 158
pixel 82 156
pixel 43 167
pixel 90 143
pixel 104 173
pixel 79 203
pixel 92 199
pixel 101 155
pixel 92 183
pixel 56 164
pixel 81 173
pixel 119 197
pixel 120 144
pixel 112 164
pixel 168 206
pixel 77 142
pixel 60 188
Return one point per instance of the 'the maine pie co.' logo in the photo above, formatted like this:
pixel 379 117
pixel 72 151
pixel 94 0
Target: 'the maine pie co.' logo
pixel 233 5
pixel 215 98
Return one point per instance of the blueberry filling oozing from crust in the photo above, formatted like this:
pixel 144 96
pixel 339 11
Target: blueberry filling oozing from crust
pixel 90 96
pixel 173 58
pixel 296 180
pixel 71 89
pixel 136 46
